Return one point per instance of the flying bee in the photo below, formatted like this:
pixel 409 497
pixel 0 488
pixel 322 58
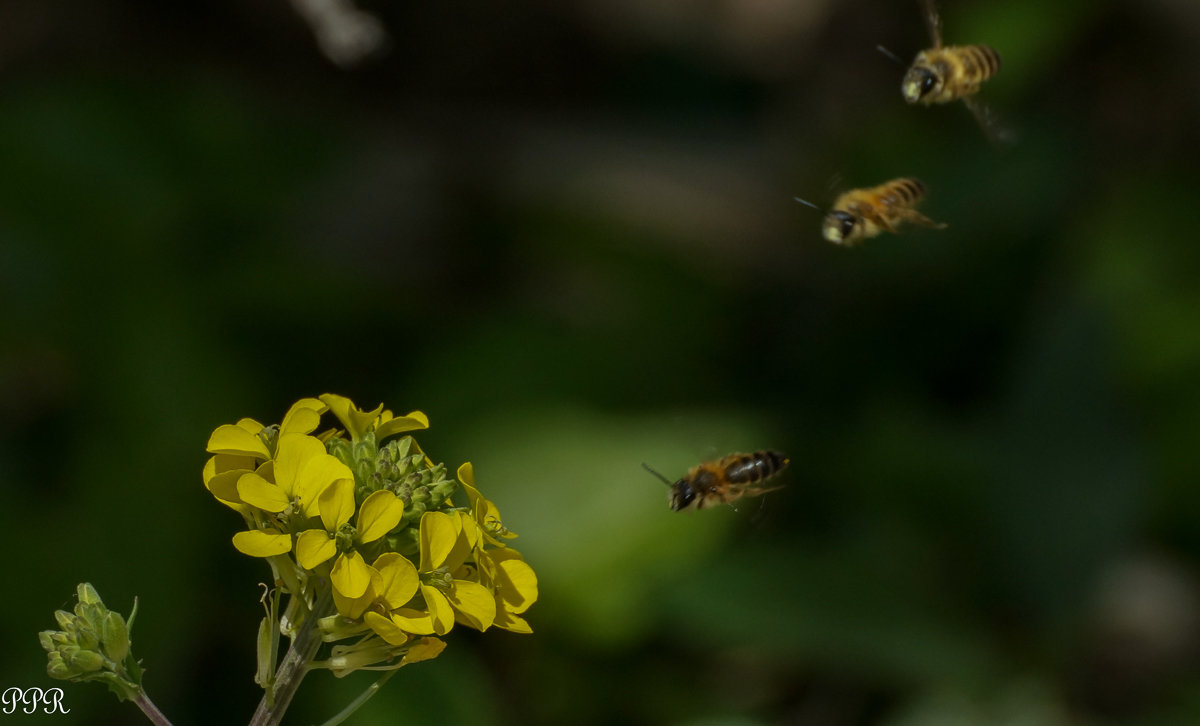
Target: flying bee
pixel 862 213
pixel 943 74
pixel 724 480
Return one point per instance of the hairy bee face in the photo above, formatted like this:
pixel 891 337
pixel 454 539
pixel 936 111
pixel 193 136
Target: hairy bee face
pixel 920 82
pixel 682 495
pixel 842 227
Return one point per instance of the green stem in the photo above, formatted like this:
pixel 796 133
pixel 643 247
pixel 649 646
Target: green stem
pixel 156 717
pixel 353 706
pixel 292 670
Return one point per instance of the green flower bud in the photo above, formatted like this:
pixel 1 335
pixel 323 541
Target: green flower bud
pixel 341 448
pixel 86 661
pixel 115 636
pixel 66 620
pixel 365 448
pixel 46 639
pixel 363 469
pixel 56 668
pixel 87 594
pixel 90 616
pixel 413 512
pixel 445 488
pixel 87 639
pixel 263 674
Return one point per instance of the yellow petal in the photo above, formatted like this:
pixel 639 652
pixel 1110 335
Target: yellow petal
pixel 508 621
pixel 262 543
pixel 224 485
pixel 355 420
pixel 516 582
pixel 474 604
pixel 292 453
pixel 303 417
pixel 438 535
pixel 353 608
pixel 424 649
pixel 379 513
pixel 337 504
pixel 386 628
pixel 316 474
pixel 314 546
pixel 258 492
pixel 440 610
pixel 399 579
pixel 351 575
pixel 413 621
pixel 231 439
pixel 221 463
pixel 466 475
pixel 414 421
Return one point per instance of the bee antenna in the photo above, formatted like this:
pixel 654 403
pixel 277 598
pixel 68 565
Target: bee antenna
pixel 889 54
pixel 655 473
pixel 807 203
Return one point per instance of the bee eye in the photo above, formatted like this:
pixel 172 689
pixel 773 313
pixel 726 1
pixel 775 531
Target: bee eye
pixel 928 82
pixel 683 495
pixel 846 222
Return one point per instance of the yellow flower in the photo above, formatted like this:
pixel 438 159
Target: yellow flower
pixel 290 485
pixel 444 547
pixel 379 513
pixel 515 585
pixel 359 422
pixel 236 449
pixel 486 515
pixel 239 448
pixel 398 582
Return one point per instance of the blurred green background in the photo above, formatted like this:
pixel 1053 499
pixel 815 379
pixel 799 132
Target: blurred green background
pixel 565 230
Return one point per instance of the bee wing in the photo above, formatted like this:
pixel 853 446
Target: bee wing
pixel 933 22
pixel 997 134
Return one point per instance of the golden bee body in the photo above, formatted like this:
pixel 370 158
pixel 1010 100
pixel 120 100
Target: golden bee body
pixel 725 480
pixel 863 213
pixel 948 73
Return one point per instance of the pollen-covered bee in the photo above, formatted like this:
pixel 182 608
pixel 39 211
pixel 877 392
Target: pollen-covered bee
pixel 724 480
pixel 943 74
pixel 862 213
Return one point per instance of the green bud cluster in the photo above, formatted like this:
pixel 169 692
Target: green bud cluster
pixel 400 467
pixel 93 645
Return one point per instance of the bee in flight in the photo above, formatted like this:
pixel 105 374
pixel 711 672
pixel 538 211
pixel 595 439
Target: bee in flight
pixel 724 480
pixel 946 73
pixel 862 213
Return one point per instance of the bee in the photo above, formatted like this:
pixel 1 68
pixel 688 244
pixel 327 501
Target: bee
pixel 724 480
pixel 943 74
pixel 862 213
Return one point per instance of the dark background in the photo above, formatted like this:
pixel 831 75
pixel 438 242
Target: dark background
pixel 565 230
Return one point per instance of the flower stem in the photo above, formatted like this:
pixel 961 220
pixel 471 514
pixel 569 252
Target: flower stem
pixel 156 717
pixel 362 698
pixel 291 671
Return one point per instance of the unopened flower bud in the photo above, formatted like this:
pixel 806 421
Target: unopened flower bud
pixel 86 661
pixel 115 636
pixel 56 668
pixel 66 620
pixel 87 594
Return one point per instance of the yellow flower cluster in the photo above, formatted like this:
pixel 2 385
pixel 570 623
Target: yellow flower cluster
pixel 375 522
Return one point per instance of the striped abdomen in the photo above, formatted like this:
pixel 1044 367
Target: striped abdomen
pixel 902 192
pixel 941 75
pixel 976 63
pixel 753 468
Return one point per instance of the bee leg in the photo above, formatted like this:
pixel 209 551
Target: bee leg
pixel 914 217
pixel 880 220
pixel 997 135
